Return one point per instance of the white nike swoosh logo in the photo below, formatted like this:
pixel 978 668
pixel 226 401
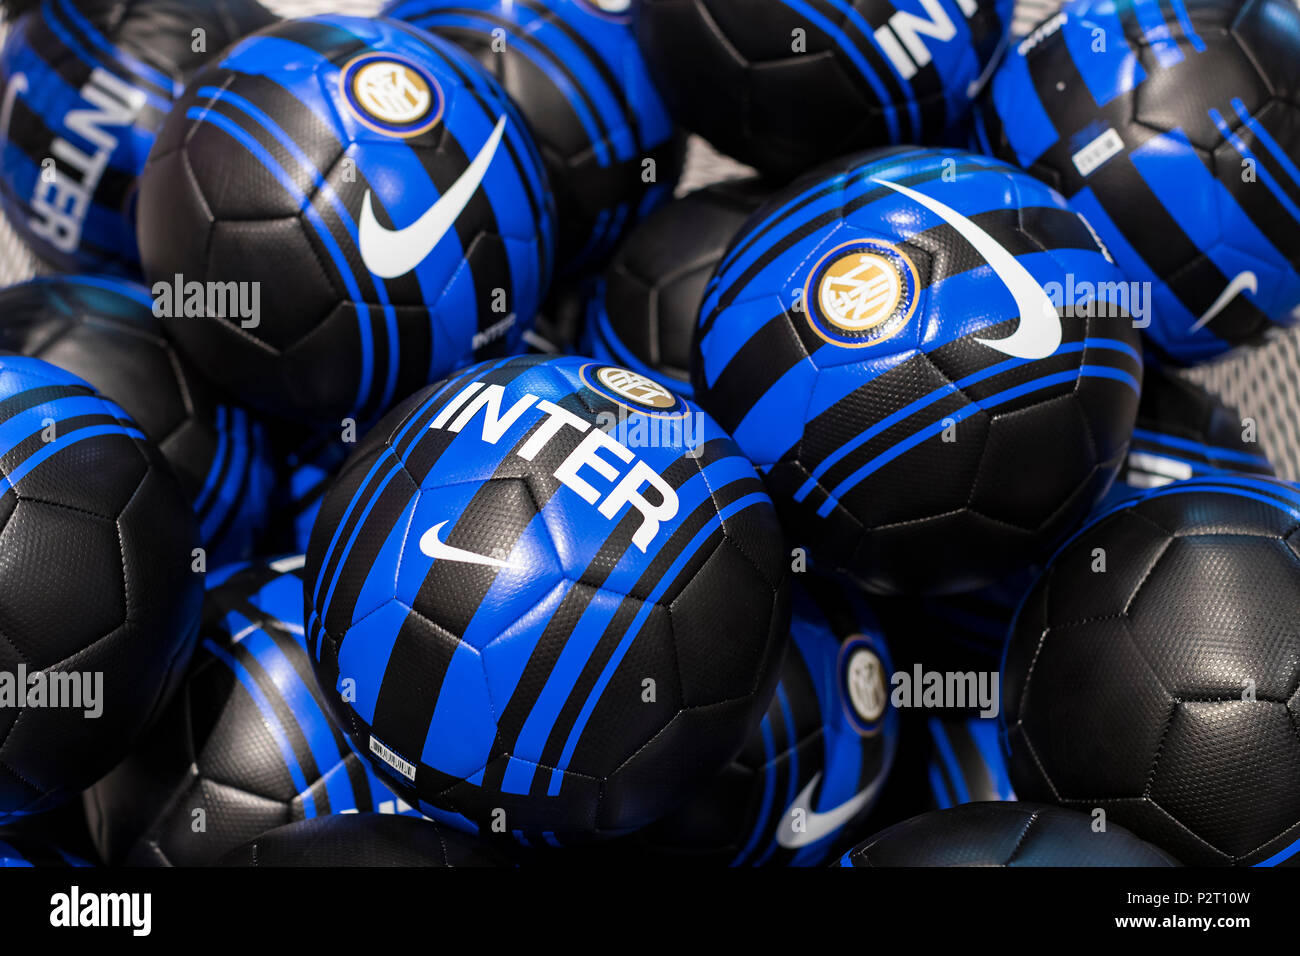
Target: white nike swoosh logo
pixel 390 254
pixel 818 826
pixel 434 547
pixel 1245 280
pixel 1039 332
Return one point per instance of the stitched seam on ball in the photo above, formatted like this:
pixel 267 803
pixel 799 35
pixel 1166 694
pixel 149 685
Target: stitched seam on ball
pixel 1029 824
pixel 1033 752
pixel 700 470
pixel 1160 746
pixel 1137 589
pixel 1097 801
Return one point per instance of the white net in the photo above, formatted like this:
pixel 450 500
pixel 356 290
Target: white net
pixel 1261 383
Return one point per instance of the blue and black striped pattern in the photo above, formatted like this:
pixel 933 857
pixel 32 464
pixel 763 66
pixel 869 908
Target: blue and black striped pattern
pixel 493 612
pixel 350 343
pixel 785 85
pixel 1185 457
pixel 46 412
pixel 47 65
pixel 853 438
pixel 966 762
pixel 577 76
pixel 1284 496
pixel 232 504
pixel 226 472
pixel 1178 142
pixel 103 330
pixel 806 739
pixel 601 341
pixel 921 82
pixel 642 311
pixel 253 631
pixel 82 86
pixel 246 746
pixel 1183 432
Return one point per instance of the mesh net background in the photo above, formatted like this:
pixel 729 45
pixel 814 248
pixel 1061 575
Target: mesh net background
pixel 1261 383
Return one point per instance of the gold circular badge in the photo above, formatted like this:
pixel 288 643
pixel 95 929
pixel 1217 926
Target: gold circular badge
pixel 866 684
pixel 860 293
pixel 635 388
pixel 391 95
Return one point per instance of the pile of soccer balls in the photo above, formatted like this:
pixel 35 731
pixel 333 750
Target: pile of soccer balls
pixel 395 472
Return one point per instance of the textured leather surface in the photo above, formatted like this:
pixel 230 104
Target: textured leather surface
pixel 1127 690
pixel 364 839
pixel 1004 834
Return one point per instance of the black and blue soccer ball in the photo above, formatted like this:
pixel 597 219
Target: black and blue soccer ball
pixel 371 196
pixel 1173 128
pixel 929 359
pixel 642 310
pixel 101 596
pixel 246 745
pixel 811 773
pixel 1152 672
pixel 535 618
pixel 84 88
pixel 104 330
pixel 783 85
pixel 573 68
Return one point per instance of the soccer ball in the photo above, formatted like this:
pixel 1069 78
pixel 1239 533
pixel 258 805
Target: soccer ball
pixel 926 354
pixel 370 198
pixel 1004 834
pixel 782 85
pixel 573 69
pixel 101 604
pixel 642 311
pixel 245 746
pixel 85 87
pixel 104 331
pixel 1175 130
pixel 1152 672
pixel 547 597
pixel 825 746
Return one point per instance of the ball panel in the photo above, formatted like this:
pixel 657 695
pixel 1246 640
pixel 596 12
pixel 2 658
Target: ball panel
pixel 1242 633
pixel 1223 772
pixel 1130 705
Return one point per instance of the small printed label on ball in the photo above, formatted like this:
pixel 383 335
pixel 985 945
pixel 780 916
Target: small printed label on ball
pixel 1092 156
pixel 405 768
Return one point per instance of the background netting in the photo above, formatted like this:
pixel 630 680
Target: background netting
pixel 1261 383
